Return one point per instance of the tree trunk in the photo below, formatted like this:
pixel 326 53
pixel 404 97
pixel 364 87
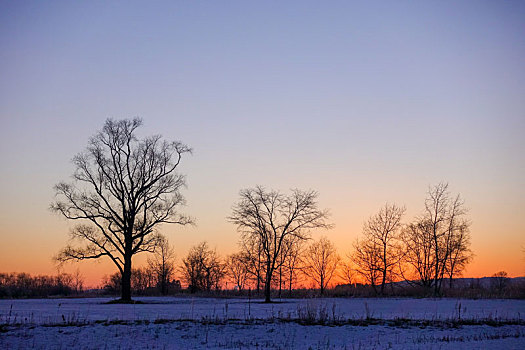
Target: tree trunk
pixel 291 280
pixel 126 280
pixel 280 280
pixel 437 262
pixel 383 281
pixel 383 270
pixel 268 285
pixel 163 285
pixel 267 290
pixel 374 286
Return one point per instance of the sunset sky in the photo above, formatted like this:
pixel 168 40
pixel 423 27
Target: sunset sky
pixel 364 103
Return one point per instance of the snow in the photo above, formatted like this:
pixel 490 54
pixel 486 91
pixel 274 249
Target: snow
pixel 194 323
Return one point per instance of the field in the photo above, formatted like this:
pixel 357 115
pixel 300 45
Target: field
pixel 195 323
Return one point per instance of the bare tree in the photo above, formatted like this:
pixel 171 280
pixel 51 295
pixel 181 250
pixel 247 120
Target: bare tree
pixel 419 257
pixel 438 242
pixel 141 280
pixel 460 253
pixel 381 245
pixel 499 281
pixel 252 258
pixel 78 281
pixel 366 258
pixel 236 270
pixel 202 268
pixel 347 272
pixel 321 261
pixel 123 189
pixel 289 259
pixel 271 219
pixel 162 265
pixel 292 262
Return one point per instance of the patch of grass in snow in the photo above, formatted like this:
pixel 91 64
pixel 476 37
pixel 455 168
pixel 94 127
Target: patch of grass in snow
pixel 311 319
pixel 120 301
pixel 425 339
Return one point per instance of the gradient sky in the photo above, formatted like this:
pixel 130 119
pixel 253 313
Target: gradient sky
pixel 363 102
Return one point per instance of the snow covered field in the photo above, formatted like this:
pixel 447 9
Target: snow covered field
pixel 194 323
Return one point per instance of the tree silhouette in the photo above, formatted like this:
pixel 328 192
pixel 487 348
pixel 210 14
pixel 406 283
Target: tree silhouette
pixel 379 251
pixel 236 270
pixel 202 268
pixel 321 261
pixel 271 219
pixel 162 265
pixel 123 188
pixel 438 242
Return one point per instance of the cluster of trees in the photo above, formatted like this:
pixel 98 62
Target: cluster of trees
pixel 433 247
pixel 274 250
pixel 15 285
pixel 143 282
pixel 315 265
pixel 125 187
pixel 274 229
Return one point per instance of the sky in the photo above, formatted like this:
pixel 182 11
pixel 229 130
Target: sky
pixel 364 102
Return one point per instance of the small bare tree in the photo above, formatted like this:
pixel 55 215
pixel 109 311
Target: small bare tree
pixel 419 258
pixel 347 272
pixel 438 242
pixel 292 262
pixel 236 270
pixel 381 245
pixel 162 265
pixel 366 258
pixel 499 281
pixel 271 219
pixel 202 268
pixel 141 280
pixel 78 282
pixel 252 258
pixel 321 261
pixel 460 254
pixel 123 189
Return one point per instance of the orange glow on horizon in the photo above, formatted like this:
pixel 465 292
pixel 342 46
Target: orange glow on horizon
pixel 509 258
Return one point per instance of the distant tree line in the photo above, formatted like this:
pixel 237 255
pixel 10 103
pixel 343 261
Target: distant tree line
pixel 17 285
pixel 23 285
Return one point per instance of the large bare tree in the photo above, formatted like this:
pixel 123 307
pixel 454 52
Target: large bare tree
pixel 272 218
pixel 123 188
pixel 321 261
